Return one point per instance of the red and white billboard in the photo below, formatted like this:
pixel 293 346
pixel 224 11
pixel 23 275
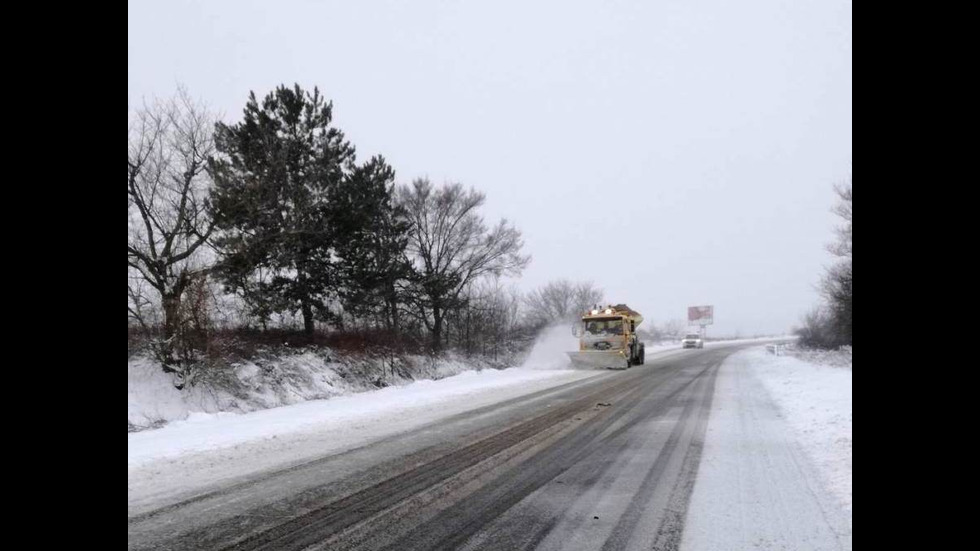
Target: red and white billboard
pixel 701 315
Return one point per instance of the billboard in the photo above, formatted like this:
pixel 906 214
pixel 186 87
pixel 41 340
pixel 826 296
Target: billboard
pixel 700 315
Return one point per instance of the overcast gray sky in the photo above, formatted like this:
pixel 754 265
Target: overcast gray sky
pixel 674 152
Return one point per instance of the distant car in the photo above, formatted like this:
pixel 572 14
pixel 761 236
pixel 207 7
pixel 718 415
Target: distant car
pixel 692 341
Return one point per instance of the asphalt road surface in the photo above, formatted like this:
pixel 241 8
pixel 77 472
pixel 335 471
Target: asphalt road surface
pixel 604 463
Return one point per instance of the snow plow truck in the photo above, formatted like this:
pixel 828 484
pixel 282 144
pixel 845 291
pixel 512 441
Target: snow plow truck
pixel 607 338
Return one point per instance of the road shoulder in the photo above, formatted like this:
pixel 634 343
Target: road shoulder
pixel 757 487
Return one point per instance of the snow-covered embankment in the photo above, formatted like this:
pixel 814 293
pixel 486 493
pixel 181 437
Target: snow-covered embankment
pixel 207 448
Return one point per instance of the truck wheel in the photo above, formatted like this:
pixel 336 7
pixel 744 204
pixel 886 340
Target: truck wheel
pixel 643 355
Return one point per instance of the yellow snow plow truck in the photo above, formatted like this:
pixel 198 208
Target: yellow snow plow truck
pixel 607 338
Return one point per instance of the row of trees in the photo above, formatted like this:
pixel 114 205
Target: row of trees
pixel 275 215
pixel 829 325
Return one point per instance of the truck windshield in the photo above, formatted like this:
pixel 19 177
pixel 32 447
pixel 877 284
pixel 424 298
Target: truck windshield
pixel 604 327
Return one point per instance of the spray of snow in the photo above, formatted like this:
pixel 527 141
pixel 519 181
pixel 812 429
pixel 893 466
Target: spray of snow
pixel 549 351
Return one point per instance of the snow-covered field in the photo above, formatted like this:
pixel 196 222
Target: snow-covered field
pixel 775 472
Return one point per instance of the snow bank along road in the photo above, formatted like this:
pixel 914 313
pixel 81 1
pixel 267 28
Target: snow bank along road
pixel 607 462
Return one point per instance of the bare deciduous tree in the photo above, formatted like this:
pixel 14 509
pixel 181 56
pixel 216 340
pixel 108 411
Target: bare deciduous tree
pixel 842 247
pixel 141 306
pixel 836 285
pixel 170 143
pixel 830 325
pixel 816 330
pixel 487 318
pixel 673 329
pixel 561 300
pixel 452 248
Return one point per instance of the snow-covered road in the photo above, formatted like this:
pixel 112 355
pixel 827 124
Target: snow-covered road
pixel 698 449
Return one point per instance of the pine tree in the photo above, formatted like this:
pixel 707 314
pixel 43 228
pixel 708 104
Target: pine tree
pixel 374 237
pixel 273 179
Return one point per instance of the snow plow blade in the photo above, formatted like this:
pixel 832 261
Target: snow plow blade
pixel 598 358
